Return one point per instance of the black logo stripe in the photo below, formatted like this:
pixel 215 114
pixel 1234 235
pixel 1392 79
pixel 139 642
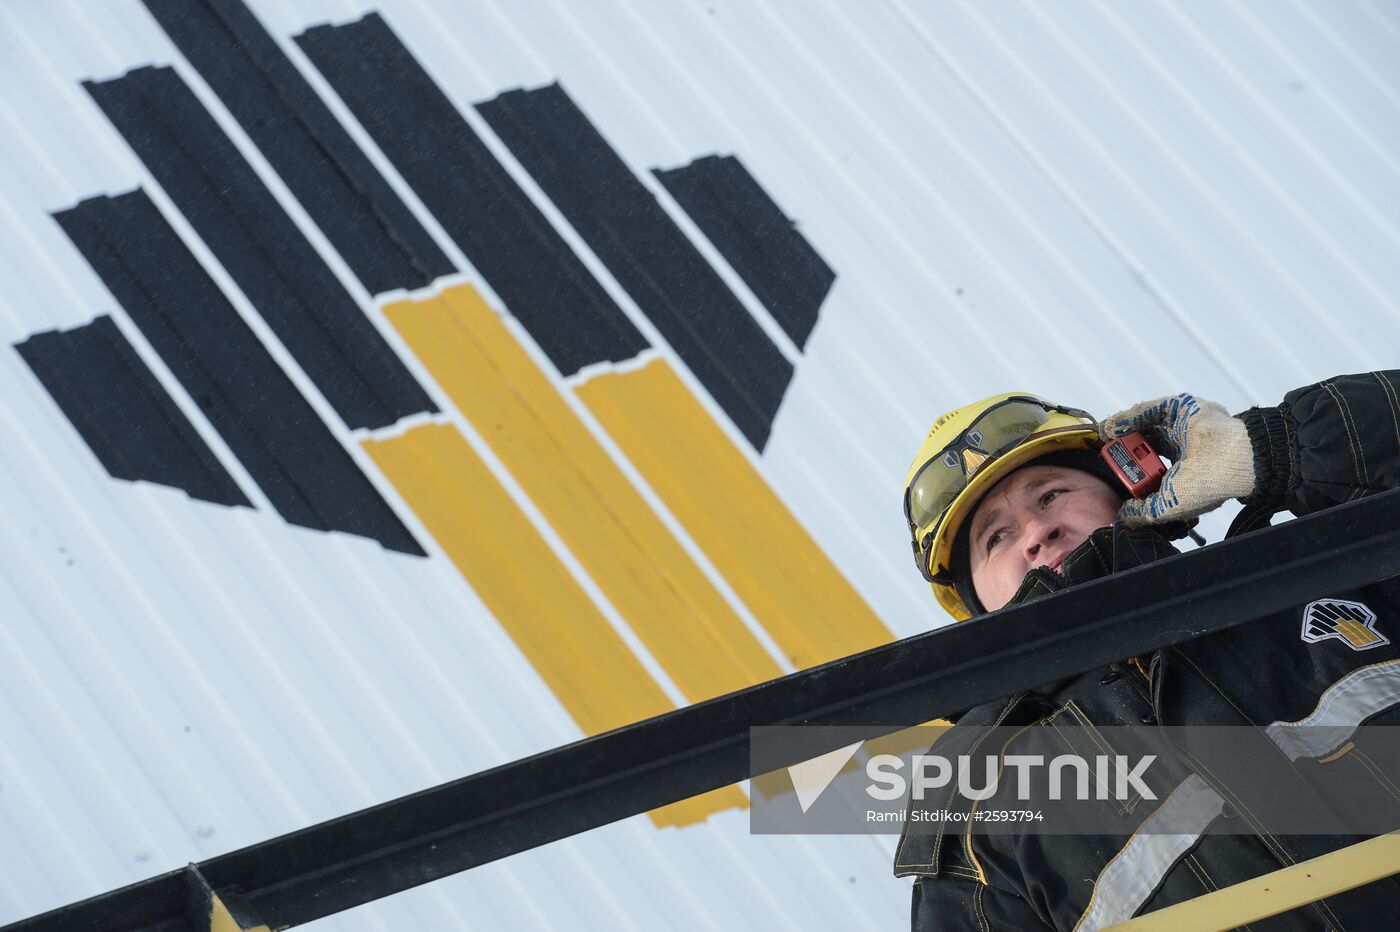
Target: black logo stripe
pixel 260 246
pixel 123 414
pixel 649 255
pixel 360 214
pixel 1328 611
pixel 294 458
pixel 543 284
pixel 731 208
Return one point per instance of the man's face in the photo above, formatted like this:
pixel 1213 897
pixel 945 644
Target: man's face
pixel 1033 518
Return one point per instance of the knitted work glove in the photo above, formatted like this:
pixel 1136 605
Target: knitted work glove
pixel 1212 458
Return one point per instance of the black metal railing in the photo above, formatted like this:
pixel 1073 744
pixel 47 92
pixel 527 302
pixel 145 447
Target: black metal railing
pixel 391 847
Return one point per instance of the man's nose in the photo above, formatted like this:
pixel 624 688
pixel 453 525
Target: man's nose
pixel 1038 534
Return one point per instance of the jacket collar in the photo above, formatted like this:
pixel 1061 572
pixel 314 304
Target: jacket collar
pixel 1107 550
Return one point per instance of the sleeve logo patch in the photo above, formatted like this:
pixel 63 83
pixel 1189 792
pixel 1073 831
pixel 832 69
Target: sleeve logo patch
pixel 1346 621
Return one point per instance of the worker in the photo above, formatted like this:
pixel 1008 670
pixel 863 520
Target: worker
pixel 1008 500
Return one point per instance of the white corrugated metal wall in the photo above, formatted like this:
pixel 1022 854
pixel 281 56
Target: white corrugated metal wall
pixel 1094 201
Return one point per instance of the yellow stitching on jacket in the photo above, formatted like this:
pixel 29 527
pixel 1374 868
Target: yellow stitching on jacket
pixel 978 911
pixel 1102 743
pixel 1358 459
pixel 1214 685
pixel 1194 868
pixel 938 836
pixel 1381 777
pixel 1292 460
pixel 1390 397
pixel 972 813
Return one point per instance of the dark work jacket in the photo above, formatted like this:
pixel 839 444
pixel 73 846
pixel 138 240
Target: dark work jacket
pixel 1328 443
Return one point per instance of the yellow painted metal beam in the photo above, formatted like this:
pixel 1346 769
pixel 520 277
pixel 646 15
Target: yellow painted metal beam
pixel 221 920
pixel 1278 892
pixel 763 552
pixel 207 911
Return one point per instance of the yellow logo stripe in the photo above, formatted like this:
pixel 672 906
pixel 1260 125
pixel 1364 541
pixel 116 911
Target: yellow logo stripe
pixel 686 624
pixel 595 676
pixel 512 569
pixel 797 594
pixel 1356 633
pixel 972 459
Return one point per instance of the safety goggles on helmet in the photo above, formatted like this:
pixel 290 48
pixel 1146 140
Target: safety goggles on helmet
pixel 937 484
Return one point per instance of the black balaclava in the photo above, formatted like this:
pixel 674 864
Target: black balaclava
pixel 1084 460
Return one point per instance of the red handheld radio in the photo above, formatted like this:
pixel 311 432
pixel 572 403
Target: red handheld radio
pixel 1135 463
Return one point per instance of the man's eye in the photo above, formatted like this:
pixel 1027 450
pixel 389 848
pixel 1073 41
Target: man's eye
pixel 995 538
pixel 1050 496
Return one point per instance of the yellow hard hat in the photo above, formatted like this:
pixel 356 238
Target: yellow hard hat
pixel 968 451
